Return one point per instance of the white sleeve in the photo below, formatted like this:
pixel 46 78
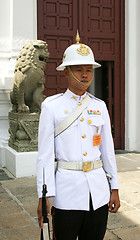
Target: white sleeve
pixel 46 152
pixel 107 150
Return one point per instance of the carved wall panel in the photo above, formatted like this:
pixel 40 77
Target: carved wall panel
pixel 57 25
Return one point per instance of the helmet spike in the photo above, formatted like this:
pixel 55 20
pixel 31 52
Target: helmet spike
pixel 77 37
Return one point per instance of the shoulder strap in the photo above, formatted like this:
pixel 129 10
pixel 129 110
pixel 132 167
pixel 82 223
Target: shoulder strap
pixel 72 117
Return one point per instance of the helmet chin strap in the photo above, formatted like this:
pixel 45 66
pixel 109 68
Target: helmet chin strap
pixel 76 79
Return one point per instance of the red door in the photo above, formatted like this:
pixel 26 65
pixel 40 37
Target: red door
pixel 101 26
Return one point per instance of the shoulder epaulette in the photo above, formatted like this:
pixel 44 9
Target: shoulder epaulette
pixel 51 98
pixel 97 99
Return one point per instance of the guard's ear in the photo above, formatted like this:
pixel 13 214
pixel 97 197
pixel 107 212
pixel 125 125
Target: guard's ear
pixel 66 72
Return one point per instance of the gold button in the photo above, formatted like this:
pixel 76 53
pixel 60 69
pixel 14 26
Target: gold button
pixel 81 119
pixel 89 121
pixel 85 153
pixel 66 111
pixel 84 136
pixel 79 104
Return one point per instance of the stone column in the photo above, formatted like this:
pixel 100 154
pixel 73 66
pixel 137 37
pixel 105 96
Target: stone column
pixel 138 79
pixel 132 66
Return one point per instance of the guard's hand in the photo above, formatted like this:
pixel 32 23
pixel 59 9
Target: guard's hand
pixel 39 211
pixel 114 203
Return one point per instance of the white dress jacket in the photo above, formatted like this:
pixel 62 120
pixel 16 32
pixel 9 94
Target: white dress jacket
pixel 71 189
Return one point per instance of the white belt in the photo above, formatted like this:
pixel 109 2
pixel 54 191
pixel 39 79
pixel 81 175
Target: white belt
pixel 81 166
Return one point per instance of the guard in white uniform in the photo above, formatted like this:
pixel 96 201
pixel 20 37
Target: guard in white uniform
pixel 84 151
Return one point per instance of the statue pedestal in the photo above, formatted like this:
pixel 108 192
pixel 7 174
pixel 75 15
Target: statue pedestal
pixel 21 154
pixel 20 164
pixel 23 131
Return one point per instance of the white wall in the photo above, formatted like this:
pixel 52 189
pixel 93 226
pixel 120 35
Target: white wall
pixel 18 24
pixel 24 17
pixel 5 19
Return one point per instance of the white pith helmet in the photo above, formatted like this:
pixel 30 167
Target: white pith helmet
pixel 78 54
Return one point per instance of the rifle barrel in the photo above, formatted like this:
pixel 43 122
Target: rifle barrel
pixel 45 232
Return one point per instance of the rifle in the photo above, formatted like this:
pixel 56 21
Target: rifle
pixel 45 232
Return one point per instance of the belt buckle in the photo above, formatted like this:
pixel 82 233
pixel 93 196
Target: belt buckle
pixel 87 166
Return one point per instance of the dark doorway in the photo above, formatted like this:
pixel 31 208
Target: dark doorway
pixel 102 87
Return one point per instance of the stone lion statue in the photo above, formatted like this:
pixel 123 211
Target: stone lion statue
pixel 27 93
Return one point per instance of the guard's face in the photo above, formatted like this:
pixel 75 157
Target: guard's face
pixel 83 73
